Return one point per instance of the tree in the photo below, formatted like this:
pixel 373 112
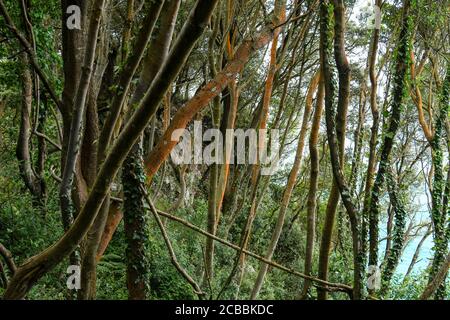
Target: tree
pixel 94 96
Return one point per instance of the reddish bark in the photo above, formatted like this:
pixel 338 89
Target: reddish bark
pixel 115 215
pixel 181 119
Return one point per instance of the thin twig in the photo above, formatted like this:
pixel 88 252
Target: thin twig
pixel 41 135
pixel 58 179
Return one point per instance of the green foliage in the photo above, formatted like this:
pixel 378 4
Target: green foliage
pixel 409 288
pixel 27 230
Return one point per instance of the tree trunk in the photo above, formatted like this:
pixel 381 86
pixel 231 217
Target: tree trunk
pixel 398 233
pixel 135 223
pixel 36 267
pixel 313 185
pixel 372 59
pixel 289 187
pixel 342 64
pixel 437 281
pixel 34 183
pixel 439 214
pixel 401 68
pixel 76 125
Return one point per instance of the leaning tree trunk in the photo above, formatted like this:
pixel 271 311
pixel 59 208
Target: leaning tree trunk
pixel 437 281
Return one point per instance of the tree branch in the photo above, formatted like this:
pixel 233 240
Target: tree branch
pixel 335 286
pixel 174 260
pixel 30 51
pixel 7 256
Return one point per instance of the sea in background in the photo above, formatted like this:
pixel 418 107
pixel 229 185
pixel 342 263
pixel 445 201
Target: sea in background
pixel 426 252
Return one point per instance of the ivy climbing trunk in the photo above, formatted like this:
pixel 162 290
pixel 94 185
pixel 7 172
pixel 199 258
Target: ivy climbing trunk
pixel 398 234
pixel 402 58
pixel 89 262
pixel 326 13
pixel 373 51
pixel 439 193
pixel 133 174
pixel 158 50
pixel 135 224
